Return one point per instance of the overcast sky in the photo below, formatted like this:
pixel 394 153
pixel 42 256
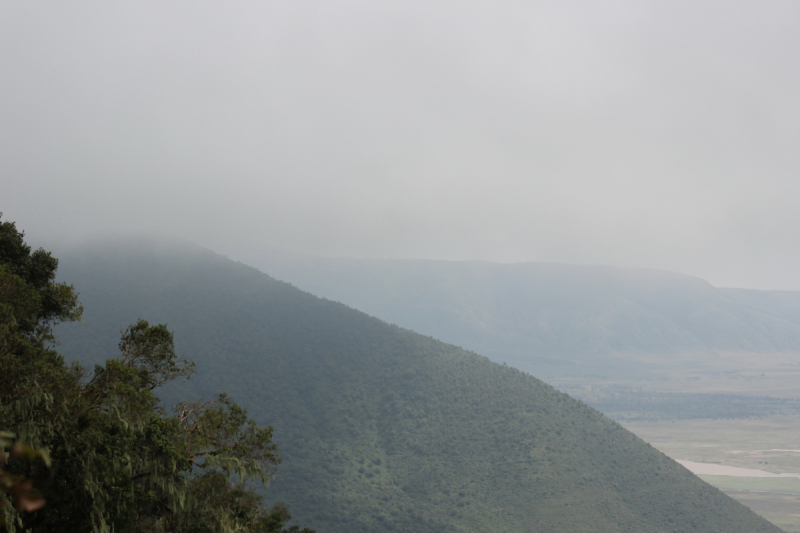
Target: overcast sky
pixel 637 133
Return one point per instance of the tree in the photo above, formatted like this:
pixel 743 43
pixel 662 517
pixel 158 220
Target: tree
pixel 120 462
pixel 24 497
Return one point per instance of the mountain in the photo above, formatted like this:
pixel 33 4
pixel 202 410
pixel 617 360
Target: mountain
pixel 382 429
pixel 556 318
pixel 784 305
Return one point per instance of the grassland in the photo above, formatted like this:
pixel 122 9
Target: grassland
pixel 788 486
pixel 745 416
pixel 764 444
pixel 776 375
pixel 784 510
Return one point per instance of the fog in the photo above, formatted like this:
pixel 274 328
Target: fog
pixel 657 134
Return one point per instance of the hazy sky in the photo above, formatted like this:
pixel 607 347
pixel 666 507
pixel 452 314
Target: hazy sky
pixel 638 133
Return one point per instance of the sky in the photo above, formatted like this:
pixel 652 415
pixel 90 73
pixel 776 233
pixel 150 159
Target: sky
pixel 661 134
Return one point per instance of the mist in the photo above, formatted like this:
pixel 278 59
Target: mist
pixel 649 134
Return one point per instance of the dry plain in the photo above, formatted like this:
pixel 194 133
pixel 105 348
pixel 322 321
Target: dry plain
pixel 769 444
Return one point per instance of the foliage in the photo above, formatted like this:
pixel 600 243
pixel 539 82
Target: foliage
pixel 28 288
pixel 23 496
pixel 120 462
pixel 384 430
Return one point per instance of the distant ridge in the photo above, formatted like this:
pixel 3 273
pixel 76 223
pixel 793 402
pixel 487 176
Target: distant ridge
pixel 554 316
pixel 381 429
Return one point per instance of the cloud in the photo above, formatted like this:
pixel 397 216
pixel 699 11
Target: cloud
pixel 657 134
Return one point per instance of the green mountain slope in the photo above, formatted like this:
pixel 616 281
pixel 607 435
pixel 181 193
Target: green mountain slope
pixel 382 429
pixel 549 318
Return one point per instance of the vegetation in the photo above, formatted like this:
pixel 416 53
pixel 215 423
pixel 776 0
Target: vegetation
pixel 382 429
pixel 111 458
pixel 583 327
pixel 14 486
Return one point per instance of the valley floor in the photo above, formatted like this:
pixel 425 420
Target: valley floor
pixel 769 445
pixel 780 509
pixel 736 413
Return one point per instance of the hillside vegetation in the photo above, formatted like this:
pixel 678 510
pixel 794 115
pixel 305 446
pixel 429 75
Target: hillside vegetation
pixel 382 429
pixel 94 451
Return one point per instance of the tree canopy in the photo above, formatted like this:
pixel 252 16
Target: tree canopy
pixel 111 457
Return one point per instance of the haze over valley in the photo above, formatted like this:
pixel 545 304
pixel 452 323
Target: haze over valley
pixel 431 266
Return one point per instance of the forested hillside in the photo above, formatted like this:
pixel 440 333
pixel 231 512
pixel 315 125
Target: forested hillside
pixel 382 429
pixel 93 450
pixel 551 318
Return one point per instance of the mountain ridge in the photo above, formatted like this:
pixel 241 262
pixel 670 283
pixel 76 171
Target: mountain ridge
pixel 382 429
pixel 556 314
